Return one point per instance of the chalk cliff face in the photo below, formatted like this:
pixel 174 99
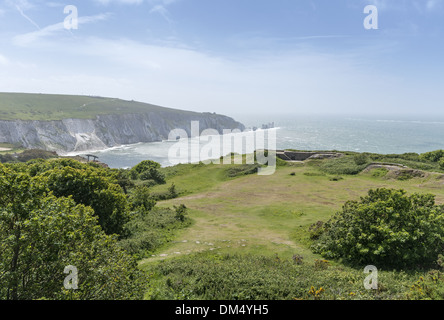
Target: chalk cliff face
pixel 107 130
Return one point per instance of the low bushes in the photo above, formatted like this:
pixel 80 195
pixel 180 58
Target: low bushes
pixel 147 231
pixel 213 276
pixel 387 228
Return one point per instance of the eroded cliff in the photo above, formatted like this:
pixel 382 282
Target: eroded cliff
pixel 106 131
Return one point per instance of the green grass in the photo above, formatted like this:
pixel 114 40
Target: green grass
pixel 244 222
pixel 268 214
pixel 217 276
pixel 46 107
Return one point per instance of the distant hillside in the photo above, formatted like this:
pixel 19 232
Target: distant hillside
pixel 66 123
pixel 46 107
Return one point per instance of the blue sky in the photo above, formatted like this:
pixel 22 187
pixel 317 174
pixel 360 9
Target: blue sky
pixel 231 56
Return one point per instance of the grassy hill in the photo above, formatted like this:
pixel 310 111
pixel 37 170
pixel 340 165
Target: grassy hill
pixel 29 106
pixel 246 229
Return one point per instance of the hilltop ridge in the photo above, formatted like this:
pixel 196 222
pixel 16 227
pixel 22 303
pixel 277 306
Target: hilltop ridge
pixel 66 123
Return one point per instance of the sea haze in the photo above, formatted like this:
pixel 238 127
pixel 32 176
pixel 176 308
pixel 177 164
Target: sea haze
pixel 377 134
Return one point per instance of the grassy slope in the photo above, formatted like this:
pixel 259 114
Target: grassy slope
pixel 267 214
pixel 26 106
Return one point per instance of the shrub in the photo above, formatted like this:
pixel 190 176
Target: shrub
pixel 433 156
pixel 146 232
pixel 428 287
pixel 441 163
pixel 140 198
pixel 148 170
pixel 379 172
pixel 386 228
pixel 316 230
pixel 40 235
pixel 171 193
pixel 91 187
pixel 343 165
pixel 240 170
pixel 145 165
pixel 181 212
pixel 360 159
pixel 221 276
pixel 153 175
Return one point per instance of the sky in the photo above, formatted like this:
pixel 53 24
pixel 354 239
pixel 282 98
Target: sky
pixel 231 56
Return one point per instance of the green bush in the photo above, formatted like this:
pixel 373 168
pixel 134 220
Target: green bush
pixel 145 165
pixel 360 159
pixel 428 287
pixel 221 276
pixel 171 193
pixel 342 166
pixel 441 163
pixel 147 231
pixel 379 172
pixel 316 230
pixel 240 170
pixel 91 187
pixel 387 228
pixel 140 199
pixel 433 156
pixel 148 170
pixel 41 234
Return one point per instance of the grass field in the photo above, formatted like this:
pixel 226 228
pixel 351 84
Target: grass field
pixel 268 215
pixel 46 107
pixel 246 230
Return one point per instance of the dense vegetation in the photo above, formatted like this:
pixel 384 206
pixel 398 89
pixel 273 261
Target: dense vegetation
pixel 354 163
pixel 217 276
pixel 401 233
pixel 387 228
pixel 113 225
pixel 59 213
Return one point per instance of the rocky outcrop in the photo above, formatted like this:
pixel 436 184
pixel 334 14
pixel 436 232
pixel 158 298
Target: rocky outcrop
pixel 106 131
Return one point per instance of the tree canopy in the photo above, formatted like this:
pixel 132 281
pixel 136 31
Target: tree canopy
pixel 41 234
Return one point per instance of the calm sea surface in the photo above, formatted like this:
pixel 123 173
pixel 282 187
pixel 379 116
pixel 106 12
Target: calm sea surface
pixel 378 134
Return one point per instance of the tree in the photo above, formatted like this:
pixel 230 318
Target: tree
pixel 140 199
pixel 90 187
pixel 148 170
pixel 41 234
pixel 386 228
pixel 145 165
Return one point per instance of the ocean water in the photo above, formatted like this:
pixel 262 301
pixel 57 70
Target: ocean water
pixel 378 134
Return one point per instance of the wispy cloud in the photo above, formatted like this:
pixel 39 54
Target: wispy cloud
pixel 22 5
pixel 28 38
pixel 163 11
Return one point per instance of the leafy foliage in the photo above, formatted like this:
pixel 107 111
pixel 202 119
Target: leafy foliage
pixel 360 159
pixel 147 231
pixel 220 276
pixel 41 234
pixel 88 186
pixel 433 156
pixel 241 170
pixel 141 199
pixel 386 228
pixel 149 171
pixel 343 165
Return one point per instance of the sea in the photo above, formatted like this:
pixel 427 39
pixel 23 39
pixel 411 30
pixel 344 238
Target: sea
pixel 384 134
